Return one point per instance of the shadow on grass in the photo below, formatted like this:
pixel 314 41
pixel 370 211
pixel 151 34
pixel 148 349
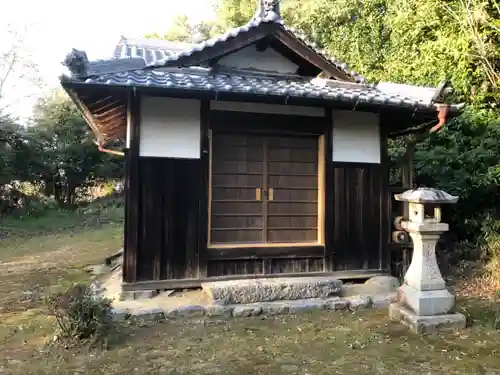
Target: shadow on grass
pixel 479 311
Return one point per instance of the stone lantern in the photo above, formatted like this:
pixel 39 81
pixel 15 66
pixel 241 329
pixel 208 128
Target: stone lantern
pixel 424 303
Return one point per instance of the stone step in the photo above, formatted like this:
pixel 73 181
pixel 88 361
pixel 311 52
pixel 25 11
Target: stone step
pixel 352 303
pixel 271 289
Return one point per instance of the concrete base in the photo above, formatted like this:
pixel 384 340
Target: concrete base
pixel 267 290
pixel 426 324
pixel 426 302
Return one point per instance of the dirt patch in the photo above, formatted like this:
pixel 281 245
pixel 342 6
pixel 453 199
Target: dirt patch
pixel 112 285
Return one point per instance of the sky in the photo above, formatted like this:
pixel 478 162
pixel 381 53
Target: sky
pixel 54 27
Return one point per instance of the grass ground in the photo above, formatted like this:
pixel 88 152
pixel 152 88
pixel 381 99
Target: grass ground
pixel 317 343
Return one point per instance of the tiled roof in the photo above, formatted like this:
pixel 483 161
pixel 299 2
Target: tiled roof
pixel 150 50
pixel 258 84
pixel 157 53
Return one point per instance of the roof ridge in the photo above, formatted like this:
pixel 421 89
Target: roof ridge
pixel 153 41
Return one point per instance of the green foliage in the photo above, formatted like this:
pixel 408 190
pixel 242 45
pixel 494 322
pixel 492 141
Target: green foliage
pixel 70 159
pixel 411 41
pixel 80 315
pixel 183 31
pixel 407 41
pixel 235 13
pixel 56 154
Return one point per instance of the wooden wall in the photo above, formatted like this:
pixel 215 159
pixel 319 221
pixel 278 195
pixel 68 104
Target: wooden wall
pixel 358 237
pixel 166 219
pixel 169 245
pixel 168 224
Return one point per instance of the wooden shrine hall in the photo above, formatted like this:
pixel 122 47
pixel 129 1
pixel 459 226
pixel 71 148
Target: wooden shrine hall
pixel 252 154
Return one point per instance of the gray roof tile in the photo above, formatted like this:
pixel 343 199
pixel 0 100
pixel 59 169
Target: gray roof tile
pixel 258 84
pixel 157 53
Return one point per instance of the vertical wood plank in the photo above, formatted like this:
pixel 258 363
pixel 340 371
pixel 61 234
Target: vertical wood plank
pixel 385 198
pixel 132 204
pixel 126 224
pixel 268 266
pixel 265 187
pixel 359 209
pixel 329 217
pixel 191 202
pixel 204 186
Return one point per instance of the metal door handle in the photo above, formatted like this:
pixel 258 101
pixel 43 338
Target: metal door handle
pixel 258 194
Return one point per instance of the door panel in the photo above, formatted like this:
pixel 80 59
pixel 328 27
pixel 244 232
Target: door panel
pixel 236 189
pixel 264 189
pixel 293 186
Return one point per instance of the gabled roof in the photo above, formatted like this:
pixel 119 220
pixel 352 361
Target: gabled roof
pixel 161 53
pixel 157 53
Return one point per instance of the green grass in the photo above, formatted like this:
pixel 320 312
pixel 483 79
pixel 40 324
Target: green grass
pixel 54 220
pixel 316 343
pixel 32 266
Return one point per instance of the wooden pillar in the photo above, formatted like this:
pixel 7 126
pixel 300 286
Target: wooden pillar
pixel 132 185
pixel 384 256
pixel 407 174
pixel 204 188
pixel 329 193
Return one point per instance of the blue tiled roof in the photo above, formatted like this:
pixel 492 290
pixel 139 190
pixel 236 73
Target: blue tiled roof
pixel 258 84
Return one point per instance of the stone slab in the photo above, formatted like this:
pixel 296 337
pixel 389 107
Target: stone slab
pixel 246 311
pixel 382 283
pixel 219 311
pixel 272 289
pixel 285 307
pixel 426 324
pixel 382 301
pixel 188 312
pixel 426 302
pixel 336 304
pixel 359 302
pixel 251 309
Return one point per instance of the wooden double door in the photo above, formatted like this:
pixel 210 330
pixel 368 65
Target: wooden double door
pixel 265 189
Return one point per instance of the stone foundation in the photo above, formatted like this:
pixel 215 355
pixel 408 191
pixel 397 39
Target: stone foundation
pixel 376 293
pixel 259 308
pixel 267 290
pixel 426 324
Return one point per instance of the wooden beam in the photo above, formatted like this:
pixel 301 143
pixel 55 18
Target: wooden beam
pixel 85 113
pixel 281 252
pixel 310 55
pixel 196 283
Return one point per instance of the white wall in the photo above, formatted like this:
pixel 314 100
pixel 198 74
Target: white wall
pixel 170 128
pixel 267 108
pixel 356 137
pixel 268 60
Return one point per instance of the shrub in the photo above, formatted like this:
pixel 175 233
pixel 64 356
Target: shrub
pixel 80 315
